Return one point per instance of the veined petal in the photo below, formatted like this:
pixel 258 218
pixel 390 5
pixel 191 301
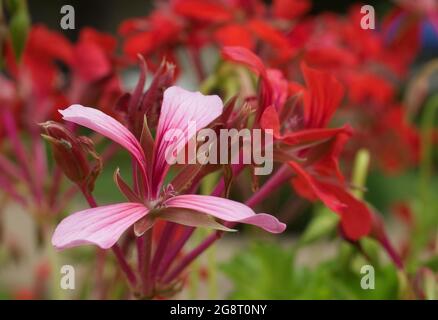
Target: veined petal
pixel 323 96
pixel 101 226
pixel 107 126
pixel 226 210
pixel 183 113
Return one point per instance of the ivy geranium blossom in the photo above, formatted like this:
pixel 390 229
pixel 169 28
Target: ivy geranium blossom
pixel 103 225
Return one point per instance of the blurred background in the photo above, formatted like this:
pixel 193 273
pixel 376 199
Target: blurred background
pixel 308 262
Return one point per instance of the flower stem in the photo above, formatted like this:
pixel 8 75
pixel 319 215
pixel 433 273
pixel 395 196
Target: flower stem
pixel 144 250
pixel 124 266
pixel 281 176
pixel 192 255
pixel 170 256
pixel 360 172
pixel 164 242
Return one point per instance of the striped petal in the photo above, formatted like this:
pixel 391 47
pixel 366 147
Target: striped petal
pixel 183 113
pixel 107 126
pixel 101 226
pixel 227 210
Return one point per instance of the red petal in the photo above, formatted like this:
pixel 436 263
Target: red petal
pixel 270 120
pixel 291 9
pixel 246 57
pixel 104 40
pixel 314 135
pixel 323 96
pixel 91 61
pixel 273 37
pixel 142 42
pixel 46 44
pixel 355 216
pixel 204 10
pixel 234 35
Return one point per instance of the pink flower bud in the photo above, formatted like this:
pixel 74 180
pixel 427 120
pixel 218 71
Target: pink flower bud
pixel 71 154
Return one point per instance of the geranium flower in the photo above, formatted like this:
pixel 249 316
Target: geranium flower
pixel 318 175
pixel 193 24
pixel 149 201
pixel 310 149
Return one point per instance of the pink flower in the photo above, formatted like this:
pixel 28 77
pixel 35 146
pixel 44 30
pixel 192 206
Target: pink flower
pixel 104 225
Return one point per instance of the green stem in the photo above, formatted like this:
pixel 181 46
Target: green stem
pixel 360 172
pixel 426 167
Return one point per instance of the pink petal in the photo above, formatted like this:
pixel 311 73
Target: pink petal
pixel 101 226
pixel 226 210
pixel 107 126
pixel 179 110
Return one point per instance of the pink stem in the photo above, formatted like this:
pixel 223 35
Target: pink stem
pixel 282 175
pixel 127 270
pixel 192 255
pixel 19 150
pixel 162 247
pixel 173 251
pixel 144 250
pixel 395 257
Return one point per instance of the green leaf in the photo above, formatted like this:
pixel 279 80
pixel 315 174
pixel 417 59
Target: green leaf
pixel 268 271
pixel 263 271
pixel 19 26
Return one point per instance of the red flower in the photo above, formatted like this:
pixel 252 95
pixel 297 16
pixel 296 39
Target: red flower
pixel 93 54
pixel 195 23
pixel 318 175
pixel 273 88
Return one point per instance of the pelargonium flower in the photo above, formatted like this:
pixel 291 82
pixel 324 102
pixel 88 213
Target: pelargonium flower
pixel 150 200
pixel 196 23
pixel 318 176
pixel 305 144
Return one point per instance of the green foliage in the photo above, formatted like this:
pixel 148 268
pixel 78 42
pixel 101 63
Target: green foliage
pixel 105 189
pixel 432 263
pixel 19 25
pixel 324 222
pixel 267 271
